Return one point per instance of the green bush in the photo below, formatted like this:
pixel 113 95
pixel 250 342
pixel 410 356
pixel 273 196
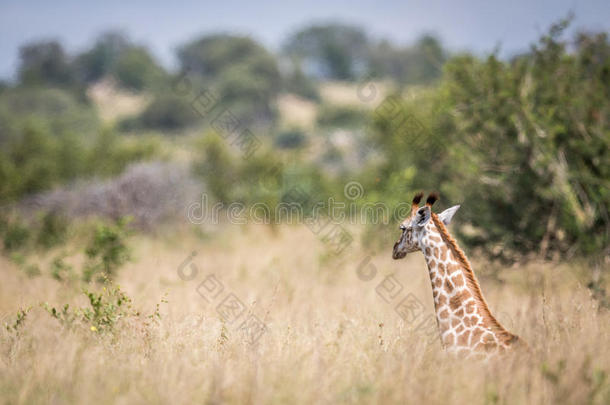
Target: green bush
pixel 111 153
pixel 60 270
pixel 31 270
pixel 107 251
pixel 290 139
pixel 104 311
pixel 136 70
pixel 53 230
pixel 44 63
pixel 420 63
pixel 297 83
pixel 341 116
pixel 229 177
pixel 97 62
pixel 337 51
pixel 48 137
pixel 522 145
pixel 264 178
pixel 16 236
pixel 107 308
pixel 52 110
pixel 19 321
pixel 166 112
pixel 242 74
pixel 37 160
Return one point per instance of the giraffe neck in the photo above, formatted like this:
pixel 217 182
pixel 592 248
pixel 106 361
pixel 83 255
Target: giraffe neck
pixel 464 320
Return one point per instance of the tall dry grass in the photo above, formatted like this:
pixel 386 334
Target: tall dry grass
pixel 330 337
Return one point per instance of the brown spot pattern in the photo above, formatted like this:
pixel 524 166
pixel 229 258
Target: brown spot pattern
pixel 458 280
pixel 444 254
pixel 476 334
pixel 456 301
pixel 463 338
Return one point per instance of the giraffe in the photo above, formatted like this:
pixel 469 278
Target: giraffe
pixel 466 325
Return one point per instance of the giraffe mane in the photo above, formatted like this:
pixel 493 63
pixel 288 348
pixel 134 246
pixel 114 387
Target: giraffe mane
pixel 472 282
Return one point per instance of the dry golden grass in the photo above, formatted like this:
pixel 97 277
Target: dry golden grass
pixel 330 337
pixel 296 111
pixel 114 103
pixel 367 94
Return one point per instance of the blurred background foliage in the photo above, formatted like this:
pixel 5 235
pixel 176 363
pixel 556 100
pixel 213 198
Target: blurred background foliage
pixel 521 143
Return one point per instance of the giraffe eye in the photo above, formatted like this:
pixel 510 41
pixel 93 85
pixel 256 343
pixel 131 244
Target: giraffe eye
pixel 402 227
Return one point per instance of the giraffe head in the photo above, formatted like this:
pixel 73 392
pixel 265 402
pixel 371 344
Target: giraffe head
pixel 416 225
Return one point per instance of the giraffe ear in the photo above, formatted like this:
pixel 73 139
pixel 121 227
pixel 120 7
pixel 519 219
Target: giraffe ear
pixel 423 216
pixel 447 215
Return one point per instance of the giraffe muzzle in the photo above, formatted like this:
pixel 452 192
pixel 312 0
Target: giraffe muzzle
pixel 397 252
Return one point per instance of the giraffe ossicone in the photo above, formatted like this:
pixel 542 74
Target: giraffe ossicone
pixel 466 325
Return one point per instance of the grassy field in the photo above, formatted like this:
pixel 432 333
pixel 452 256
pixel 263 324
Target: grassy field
pixel 330 336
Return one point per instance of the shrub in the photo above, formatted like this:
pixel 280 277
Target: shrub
pixel 523 145
pixel 335 51
pixel 49 137
pixel 60 270
pixel 296 82
pixel 216 167
pixel 167 112
pixel 107 308
pixel 98 61
pixel 31 270
pixel 51 110
pixel 290 139
pixel 16 236
pixel 340 116
pixel 104 311
pixel 19 321
pixel 150 193
pixel 36 159
pixel 107 251
pixel 135 69
pixel 4 222
pixel 53 230
pixel 242 73
pixel 44 63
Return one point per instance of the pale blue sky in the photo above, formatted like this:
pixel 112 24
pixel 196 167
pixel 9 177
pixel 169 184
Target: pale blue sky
pixel 475 25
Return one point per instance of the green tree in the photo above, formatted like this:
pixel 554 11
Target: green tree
pixel 295 81
pixel 54 109
pixel 44 63
pixel 335 51
pixel 242 73
pixel 167 112
pixel 114 55
pixel 108 250
pixel 99 61
pixel 420 63
pixel 523 144
pixel 136 69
